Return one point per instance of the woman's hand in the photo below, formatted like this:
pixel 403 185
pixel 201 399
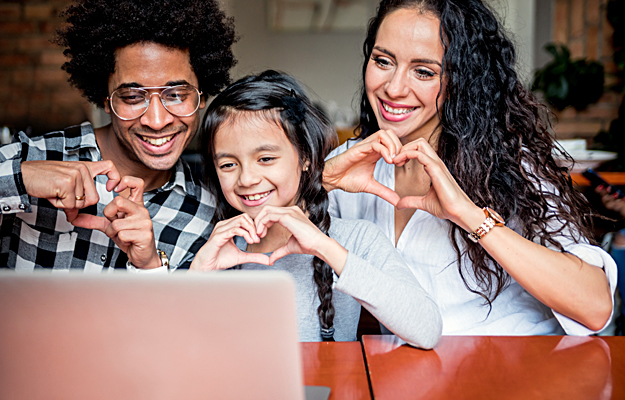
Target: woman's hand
pixel 352 171
pixel 305 238
pixel 220 252
pixel 445 199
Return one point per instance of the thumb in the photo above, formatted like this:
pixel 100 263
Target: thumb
pixel 383 192
pixel 410 202
pixel 279 253
pixel 88 221
pixel 256 258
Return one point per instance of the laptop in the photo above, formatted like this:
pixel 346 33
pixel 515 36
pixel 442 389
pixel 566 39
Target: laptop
pixel 225 335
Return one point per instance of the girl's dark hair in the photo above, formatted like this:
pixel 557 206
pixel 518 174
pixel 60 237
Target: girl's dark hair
pixel 494 136
pixel 96 28
pixel 279 99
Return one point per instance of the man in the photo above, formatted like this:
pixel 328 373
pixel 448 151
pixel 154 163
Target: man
pixel 120 196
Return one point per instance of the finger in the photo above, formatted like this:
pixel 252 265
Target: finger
pixel 85 186
pixel 70 214
pixel 137 238
pixel 105 168
pixel 267 217
pixel 384 151
pixel 80 195
pixel 129 224
pixel 244 233
pixel 383 192
pixel 88 221
pixel 392 143
pixel 135 185
pixel 244 222
pixel 256 258
pixel 410 202
pixel 247 223
pixel 122 207
pixel 278 254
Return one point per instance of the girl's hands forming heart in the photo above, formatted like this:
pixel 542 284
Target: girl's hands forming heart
pixel 220 252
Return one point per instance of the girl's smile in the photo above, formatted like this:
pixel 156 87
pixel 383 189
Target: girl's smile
pixel 256 163
pixel 253 200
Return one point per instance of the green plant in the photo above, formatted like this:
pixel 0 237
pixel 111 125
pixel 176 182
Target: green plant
pixel 565 82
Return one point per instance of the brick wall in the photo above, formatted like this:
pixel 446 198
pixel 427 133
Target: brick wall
pixel 35 92
pixel 582 25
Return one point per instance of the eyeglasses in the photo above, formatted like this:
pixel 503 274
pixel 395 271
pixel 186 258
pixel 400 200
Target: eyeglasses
pixel 131 103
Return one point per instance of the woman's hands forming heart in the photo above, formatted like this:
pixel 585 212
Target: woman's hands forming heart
pixel 352 171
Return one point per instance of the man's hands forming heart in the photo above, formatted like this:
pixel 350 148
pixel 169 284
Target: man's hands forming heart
pixel 70 186
pixel 127 222
pixel 352 171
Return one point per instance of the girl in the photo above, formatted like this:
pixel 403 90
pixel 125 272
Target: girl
pixel 264 146
pixel 449 135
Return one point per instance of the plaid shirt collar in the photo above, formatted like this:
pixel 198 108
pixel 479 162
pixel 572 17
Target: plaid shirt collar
pixel 182 180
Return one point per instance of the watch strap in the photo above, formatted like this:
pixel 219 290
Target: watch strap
pixel 488 224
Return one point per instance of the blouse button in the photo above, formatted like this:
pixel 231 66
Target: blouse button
pixel 22 206
pixel 6 208
pixel 103 257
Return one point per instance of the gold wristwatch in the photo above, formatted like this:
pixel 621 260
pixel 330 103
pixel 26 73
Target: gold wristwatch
pixel 163 256
pixel 492 219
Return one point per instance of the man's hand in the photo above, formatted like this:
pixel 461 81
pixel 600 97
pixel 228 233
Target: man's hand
pixel 127 222
pixel 67 184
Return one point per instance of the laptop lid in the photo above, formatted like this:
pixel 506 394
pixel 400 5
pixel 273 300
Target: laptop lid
pixel 226 335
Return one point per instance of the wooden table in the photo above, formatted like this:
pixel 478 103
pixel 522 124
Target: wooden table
pixel 491 367
pixel 338 365
pixel 613 178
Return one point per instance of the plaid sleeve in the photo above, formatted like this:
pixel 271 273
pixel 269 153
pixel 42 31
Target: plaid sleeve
pixel 13 196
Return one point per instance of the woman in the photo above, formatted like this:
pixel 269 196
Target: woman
pixel 448 135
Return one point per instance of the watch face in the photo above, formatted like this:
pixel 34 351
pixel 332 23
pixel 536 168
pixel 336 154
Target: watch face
pixel 494 215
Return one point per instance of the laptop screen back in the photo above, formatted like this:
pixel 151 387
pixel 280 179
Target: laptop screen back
pixel 223 335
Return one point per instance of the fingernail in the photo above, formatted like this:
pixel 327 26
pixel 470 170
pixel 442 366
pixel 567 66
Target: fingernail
pixel 393 156
pixel 600 187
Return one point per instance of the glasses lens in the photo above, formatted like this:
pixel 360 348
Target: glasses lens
pixel 181 100
pixel 129 103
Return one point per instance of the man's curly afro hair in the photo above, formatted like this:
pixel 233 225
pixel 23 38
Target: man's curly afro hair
pixel 96 28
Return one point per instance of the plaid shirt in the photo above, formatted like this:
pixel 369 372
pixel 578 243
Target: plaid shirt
pixel 35 234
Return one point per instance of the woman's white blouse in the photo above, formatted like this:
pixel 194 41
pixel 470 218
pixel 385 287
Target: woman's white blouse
pixel 426 247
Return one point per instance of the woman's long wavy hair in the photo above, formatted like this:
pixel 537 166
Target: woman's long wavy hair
pixel 279 99
pixel 494 136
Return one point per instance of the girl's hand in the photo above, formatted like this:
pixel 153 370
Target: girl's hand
pixel 305 238
pixel 445 199
pixel 220 252
pixel 352 171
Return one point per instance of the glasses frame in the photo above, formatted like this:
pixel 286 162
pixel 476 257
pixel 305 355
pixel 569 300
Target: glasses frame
pixel 149 99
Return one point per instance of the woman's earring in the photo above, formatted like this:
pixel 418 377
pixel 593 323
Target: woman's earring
pixel 305 168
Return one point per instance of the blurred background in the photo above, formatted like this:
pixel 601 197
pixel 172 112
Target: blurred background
pixel 317 41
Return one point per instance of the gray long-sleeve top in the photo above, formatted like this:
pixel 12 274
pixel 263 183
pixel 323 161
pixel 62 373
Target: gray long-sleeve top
pixel 375 276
